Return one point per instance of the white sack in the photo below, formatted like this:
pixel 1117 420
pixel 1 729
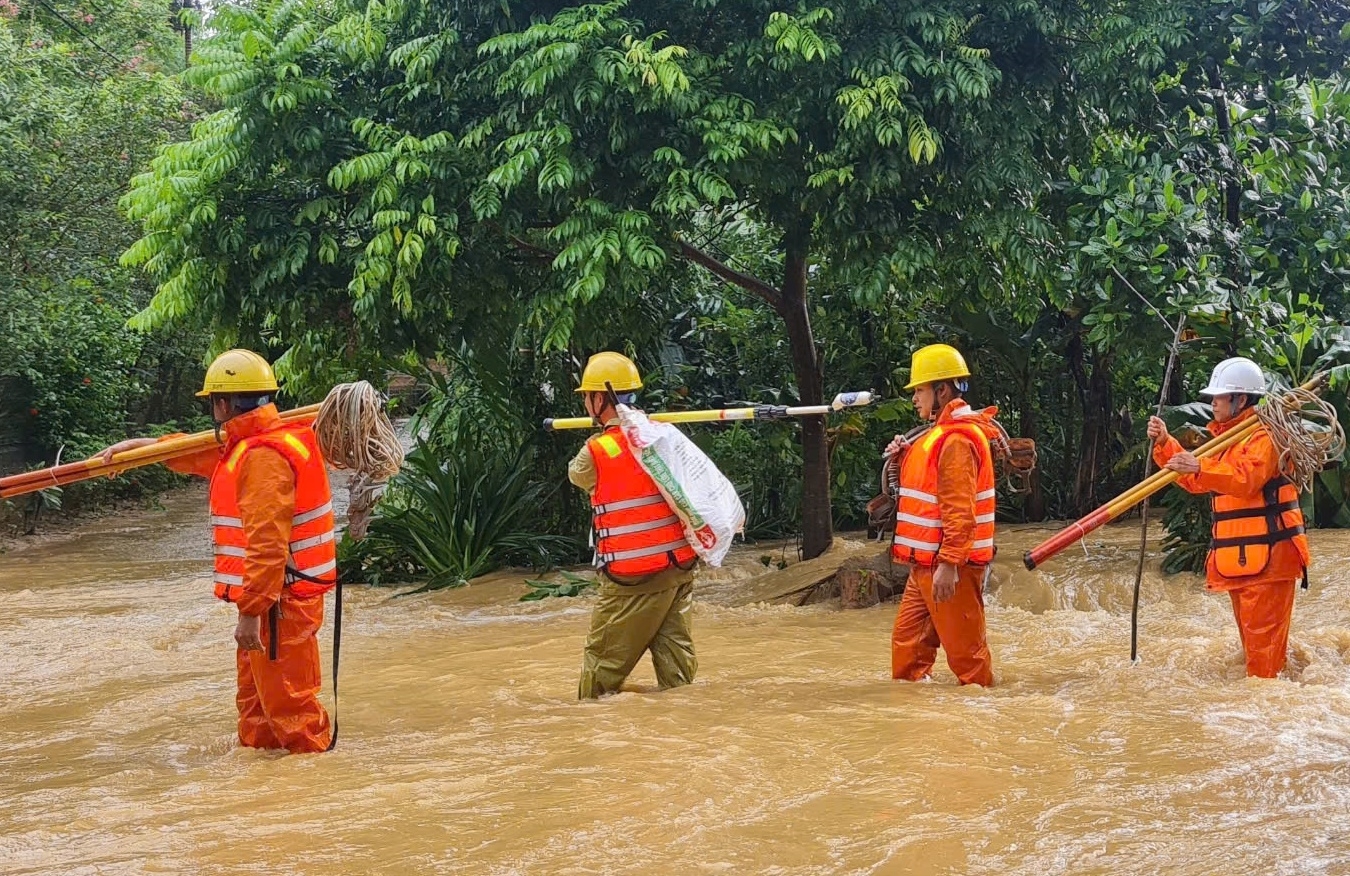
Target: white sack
pixel 701 496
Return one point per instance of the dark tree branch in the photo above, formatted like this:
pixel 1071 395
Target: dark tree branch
pixel 1232 189
pixel 530 249
pixel 753 285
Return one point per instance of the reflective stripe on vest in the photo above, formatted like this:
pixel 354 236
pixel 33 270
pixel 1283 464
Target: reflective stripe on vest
pixel 918 518
pixel 629 504
pixel 637 535
pixel 638 527
pixel 312 558
pixel 636 553
pixel 302 519
pixel 1246 530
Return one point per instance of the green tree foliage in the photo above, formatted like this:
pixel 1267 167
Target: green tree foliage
pixel 85 97
pixel 457 511
pixel 512 185
pixel 386 175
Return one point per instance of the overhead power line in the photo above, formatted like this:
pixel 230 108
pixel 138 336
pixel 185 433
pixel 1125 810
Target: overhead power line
pixel 77 31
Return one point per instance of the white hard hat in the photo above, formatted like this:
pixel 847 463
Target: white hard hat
pixel 1236 375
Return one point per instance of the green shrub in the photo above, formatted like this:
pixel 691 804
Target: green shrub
pixel 455 515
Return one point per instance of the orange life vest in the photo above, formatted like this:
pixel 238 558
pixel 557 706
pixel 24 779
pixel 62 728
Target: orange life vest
pixel 918 519
pixel 637 532
pixel 311 568
pixel 1245 530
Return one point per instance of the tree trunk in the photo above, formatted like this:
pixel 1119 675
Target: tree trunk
pixel 1035 504
pixel 1232 203
pixel 791 305
pixel 1094 395
pixel 817 520
pixel 1232 189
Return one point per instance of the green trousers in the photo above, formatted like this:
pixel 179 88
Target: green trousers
pixel 626 625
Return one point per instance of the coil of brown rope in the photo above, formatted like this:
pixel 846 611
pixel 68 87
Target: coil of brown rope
pixel 1305 448
pixel 354 433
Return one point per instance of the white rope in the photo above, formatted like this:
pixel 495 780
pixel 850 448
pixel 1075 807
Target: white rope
pixel 354 433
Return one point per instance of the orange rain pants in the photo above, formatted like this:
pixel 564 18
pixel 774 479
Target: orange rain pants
pixel 921 625
pixel 279 699
pixel 1263 613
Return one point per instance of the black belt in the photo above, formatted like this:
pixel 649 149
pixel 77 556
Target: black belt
pixel 1263 511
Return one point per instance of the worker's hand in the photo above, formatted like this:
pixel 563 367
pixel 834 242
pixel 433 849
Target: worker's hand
pixel 248 633
pixel 122 447
pixel 1183 462
pixel 1157 430
pixel 897 445
pixel 944 582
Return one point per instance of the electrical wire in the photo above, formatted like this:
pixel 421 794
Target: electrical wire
pixel 77 31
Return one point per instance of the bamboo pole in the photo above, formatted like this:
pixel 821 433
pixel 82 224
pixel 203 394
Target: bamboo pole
pixel 1125 501
pixel 73 472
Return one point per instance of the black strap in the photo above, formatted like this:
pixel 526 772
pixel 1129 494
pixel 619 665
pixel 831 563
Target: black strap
pixel 1305 577
pixel 1269 538
pixel 1272 509
pixel 337 649
pixel 1264 511
pixel 293 575
pixel 273 618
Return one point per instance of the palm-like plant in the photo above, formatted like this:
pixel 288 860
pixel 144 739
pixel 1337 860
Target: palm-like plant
pixel 452 519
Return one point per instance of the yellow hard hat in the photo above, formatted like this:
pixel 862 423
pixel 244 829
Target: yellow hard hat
pixel 238 371
pixel 936 362
pixel 612 368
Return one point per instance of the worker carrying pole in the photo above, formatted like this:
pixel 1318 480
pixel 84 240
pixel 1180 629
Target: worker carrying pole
pixel 944 524
pixel 273 533
pixel 646 561
pixel 1259 548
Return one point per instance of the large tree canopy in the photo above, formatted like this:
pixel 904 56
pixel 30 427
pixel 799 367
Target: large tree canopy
pixel 394 175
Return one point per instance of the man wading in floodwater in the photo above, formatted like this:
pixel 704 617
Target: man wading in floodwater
pixel 1258 549
pixel 646 564
pixel 944 525
pixel 272 525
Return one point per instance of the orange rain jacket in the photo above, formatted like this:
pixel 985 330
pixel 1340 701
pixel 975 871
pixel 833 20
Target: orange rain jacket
pixel 1240 471
pixel 266 503
pixel 933 499
pixel 312 564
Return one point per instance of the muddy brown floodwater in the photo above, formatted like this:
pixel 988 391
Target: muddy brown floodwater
pixel 464 751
